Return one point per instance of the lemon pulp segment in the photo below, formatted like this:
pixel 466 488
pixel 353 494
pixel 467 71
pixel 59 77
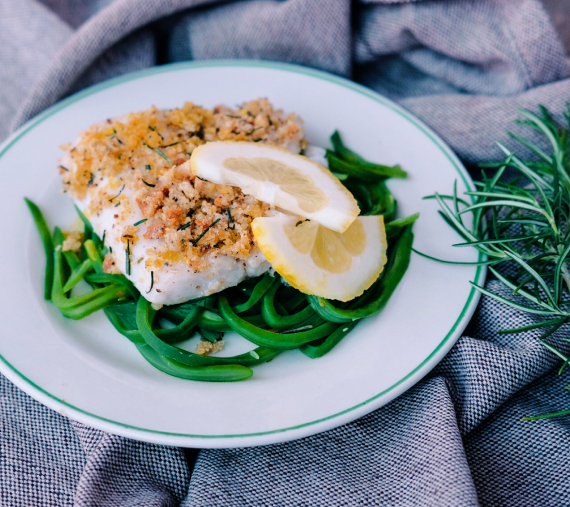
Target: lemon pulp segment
pixel 290 180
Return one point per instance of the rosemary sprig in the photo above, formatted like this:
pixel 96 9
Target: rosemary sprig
pixel 524 222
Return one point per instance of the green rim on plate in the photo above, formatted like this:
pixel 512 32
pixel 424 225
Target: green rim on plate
pixel 479 274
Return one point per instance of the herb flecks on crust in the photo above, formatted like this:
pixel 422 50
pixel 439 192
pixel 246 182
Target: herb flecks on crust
pixel 135 165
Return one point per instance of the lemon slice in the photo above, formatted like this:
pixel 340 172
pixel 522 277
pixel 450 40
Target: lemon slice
pixel 276 176
pixel 318 261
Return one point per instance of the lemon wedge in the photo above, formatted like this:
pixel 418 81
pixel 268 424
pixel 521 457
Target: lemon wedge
pixel 276 176
pixel 322 262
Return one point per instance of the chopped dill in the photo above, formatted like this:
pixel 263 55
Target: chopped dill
pixel 140 222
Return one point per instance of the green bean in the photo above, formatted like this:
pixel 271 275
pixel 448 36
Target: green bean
pixel 383 201
pixel 394 227
pixel 79 307
pixel 58 237
pixel 70 256
pixel 270 339
pixel 182 330
pixel 222 373
pixel 281 322
pixel 128 311
pixel 72 259
pixel 314 321
pixel 94 255
pixel 113 278
pixel 363 170
pixel 369 295
pixel 84 219
pixel 210 319
pixel 209 335
pixel 373 198
pixel 213 322
pixel 329 342
pixel 108 297
pixel 144 319
pixel 361 193
pixel 77 275
pixel 342 152
pixel 170 335
pixel 145 315
pixel 117 321
pixel 47 242
pixel 257 293
pixel 207 302
pixel 398 261
pixel 292 299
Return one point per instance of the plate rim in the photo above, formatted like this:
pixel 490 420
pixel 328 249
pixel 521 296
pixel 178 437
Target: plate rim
pixel 282 434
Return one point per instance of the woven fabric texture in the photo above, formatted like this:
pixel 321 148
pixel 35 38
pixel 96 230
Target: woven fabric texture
pixel 457 438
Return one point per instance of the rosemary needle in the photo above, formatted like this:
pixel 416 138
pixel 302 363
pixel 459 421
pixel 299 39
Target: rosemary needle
pixel 195 242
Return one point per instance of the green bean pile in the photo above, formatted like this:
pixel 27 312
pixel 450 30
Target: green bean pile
pixel 265 310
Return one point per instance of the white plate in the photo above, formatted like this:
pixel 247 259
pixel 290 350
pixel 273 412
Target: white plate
pixel 88 372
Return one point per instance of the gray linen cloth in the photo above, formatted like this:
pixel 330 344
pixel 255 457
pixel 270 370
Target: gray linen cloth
pixel 456 438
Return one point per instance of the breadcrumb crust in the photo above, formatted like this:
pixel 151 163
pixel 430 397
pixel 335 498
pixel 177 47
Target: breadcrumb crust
pixel 138 160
